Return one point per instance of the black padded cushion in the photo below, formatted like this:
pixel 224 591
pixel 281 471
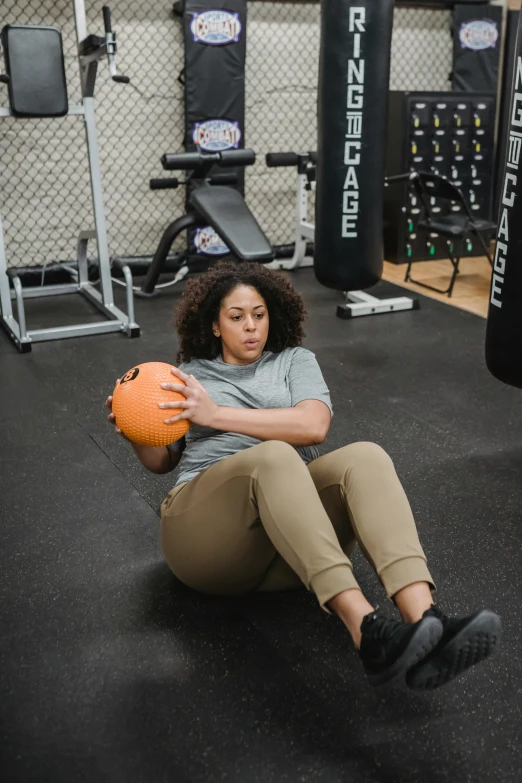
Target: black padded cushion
pixel 35 66
pixel 455 225
pixel 227 213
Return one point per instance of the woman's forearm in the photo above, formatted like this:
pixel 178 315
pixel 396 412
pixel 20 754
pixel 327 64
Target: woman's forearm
pixel 157 459
pixel 291 425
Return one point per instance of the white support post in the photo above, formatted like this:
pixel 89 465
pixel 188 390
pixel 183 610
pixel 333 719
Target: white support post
pixel 94 161
pixel 304 231
pixel 97 201
pixel 5 296
pixel 81 20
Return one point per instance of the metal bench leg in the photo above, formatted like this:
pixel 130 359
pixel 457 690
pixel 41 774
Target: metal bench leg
pixel 160 256
pixel 455 263
pixel 484 246
pixel 454 260
pixel 408 271
pixel 17 285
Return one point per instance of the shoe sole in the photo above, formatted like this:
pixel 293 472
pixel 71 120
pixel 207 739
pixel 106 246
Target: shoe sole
pixel 423 641
pixel 470 646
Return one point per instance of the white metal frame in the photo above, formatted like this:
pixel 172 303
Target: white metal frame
pixel 304 230
pixel 116 320
pixel 357 302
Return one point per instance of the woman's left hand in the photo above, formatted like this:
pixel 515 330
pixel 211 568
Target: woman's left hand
pixel 198 407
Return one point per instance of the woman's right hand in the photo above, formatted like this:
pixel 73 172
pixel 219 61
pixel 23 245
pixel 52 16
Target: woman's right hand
pixel 112 418
pixel 157 459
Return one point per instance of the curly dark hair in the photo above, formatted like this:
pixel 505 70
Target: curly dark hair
pixel 201 301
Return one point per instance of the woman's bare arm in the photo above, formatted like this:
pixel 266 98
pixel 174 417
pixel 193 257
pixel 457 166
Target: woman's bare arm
pixel 306 424
pixel 157 459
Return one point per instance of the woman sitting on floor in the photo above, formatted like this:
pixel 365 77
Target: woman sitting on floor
pixel 255 508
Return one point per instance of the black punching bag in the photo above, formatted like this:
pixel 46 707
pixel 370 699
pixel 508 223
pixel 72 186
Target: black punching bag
pixel 504 327
pixel 354 68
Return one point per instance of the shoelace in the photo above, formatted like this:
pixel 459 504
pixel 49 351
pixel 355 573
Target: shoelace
pixel 439 614
pixel 381 627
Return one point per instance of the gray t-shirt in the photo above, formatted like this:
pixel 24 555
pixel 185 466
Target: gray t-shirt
pixel 275 380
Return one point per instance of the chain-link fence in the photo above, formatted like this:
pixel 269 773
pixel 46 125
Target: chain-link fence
pixel 44 182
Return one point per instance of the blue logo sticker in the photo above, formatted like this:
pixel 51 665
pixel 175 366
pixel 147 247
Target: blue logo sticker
pixel 215 28
pixel 216 135
pixel 478 34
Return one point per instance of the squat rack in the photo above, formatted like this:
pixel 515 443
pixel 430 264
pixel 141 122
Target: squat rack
pixel 90 50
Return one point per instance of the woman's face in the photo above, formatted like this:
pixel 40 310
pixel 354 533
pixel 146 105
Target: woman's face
pixel 242 326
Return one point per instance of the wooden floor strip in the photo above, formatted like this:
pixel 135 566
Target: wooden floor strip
pixel 471 290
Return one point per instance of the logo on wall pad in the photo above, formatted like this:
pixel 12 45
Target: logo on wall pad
pixel 215 28
pixel 478 34
pixel 216 135
pixel 209 243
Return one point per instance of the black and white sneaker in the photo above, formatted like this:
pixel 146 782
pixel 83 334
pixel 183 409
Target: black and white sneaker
pixel 464 643
pixel 389 648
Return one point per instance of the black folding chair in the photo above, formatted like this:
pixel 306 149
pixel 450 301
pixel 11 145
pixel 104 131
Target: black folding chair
pixel 455 226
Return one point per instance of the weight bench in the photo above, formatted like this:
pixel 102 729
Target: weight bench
pixel 226 211
pixel 213 204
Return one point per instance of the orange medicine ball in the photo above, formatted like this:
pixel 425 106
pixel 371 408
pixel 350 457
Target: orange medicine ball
pixel 136 401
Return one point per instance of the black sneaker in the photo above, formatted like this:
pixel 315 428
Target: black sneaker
pixel 389 648
pixel 464 643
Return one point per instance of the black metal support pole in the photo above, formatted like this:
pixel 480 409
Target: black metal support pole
pixel 190 220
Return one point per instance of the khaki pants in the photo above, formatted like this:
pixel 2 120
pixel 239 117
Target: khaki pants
pixel 263 520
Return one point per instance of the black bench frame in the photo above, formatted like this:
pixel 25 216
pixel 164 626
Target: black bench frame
pixel 204 211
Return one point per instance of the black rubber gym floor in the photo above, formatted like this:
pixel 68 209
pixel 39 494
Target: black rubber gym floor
pixel 113 671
